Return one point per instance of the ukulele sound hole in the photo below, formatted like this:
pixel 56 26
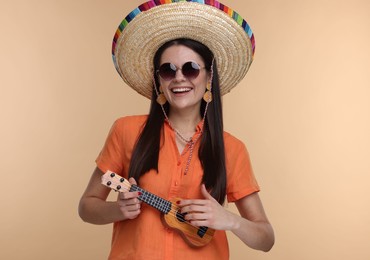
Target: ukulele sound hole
pixel 180 216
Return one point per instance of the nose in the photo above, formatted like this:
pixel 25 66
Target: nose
pixel 179 76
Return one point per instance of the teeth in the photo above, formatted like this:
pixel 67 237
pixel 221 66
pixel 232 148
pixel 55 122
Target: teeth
pixel 179 90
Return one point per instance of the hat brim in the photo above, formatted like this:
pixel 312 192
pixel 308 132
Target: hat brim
pixel 142 33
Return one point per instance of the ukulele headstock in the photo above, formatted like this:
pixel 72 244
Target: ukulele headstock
pixel 115 182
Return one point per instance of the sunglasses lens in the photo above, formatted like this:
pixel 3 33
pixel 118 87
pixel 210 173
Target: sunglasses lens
pixel 167 71
pixel 190 70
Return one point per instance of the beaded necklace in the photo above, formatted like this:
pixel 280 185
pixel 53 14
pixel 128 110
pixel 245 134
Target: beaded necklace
pixel 190 143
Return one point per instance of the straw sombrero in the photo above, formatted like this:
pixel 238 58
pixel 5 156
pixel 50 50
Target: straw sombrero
pixel 156 22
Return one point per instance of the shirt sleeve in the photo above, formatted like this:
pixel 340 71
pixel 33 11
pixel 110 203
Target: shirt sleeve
pixel 111 156
pixel 240 178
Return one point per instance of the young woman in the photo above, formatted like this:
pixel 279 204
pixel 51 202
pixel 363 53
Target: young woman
pixel 179 152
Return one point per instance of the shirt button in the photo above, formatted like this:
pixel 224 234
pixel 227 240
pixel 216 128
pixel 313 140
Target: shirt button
pixel 178 163
pixel 176 183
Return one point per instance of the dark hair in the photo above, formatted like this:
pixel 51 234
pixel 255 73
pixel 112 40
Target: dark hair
pixel 211 152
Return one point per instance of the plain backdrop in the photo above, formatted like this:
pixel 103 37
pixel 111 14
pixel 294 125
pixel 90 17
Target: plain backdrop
pixel 303 111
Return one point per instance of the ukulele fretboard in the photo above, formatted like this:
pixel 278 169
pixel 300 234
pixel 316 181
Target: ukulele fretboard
pixel 160 204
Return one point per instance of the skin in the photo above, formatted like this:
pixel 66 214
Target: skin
pixel 251 226
pixel 184 113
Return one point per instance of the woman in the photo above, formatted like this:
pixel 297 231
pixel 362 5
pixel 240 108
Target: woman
pixel 179 152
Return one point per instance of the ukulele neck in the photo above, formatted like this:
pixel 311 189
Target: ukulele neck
pixel 160 204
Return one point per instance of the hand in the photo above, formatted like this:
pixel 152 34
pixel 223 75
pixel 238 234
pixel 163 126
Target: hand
pixel 129 203
pixel 207 212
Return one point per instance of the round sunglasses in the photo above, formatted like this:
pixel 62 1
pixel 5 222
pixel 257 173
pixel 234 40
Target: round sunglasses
pixel 190 70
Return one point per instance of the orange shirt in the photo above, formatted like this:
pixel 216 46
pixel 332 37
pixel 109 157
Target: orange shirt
pixel 146 237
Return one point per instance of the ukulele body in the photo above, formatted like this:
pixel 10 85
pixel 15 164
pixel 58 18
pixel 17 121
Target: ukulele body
pixel 193 236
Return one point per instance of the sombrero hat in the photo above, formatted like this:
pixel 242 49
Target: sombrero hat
pixel 156 22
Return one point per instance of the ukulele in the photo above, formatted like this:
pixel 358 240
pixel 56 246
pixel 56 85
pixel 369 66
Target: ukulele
pixel 171 216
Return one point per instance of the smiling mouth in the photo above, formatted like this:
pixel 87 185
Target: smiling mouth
pixel 180 90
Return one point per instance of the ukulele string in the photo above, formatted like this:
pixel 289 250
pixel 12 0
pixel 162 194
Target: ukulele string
pixel 172 212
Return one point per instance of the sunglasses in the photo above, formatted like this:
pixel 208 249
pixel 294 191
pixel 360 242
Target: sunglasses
pixel 190 70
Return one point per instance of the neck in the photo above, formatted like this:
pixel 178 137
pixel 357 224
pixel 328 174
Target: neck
pixel 184 122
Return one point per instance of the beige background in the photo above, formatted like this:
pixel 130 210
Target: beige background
pixel 303 111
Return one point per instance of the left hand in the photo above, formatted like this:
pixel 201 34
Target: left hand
pixel 207 212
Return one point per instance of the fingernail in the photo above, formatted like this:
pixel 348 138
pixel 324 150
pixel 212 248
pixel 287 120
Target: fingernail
pixel 178 202
pixel 140 193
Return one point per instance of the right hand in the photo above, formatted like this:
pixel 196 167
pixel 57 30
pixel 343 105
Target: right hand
pixel 129 203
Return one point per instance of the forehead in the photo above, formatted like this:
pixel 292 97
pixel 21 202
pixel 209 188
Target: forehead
pixel 179 54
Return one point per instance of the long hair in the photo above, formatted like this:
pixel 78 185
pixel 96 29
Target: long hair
pixel 211 152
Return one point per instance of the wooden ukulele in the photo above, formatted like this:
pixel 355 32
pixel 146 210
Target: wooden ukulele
pixel 171 217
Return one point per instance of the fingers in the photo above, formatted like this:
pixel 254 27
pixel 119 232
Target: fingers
pixel 129 203
pixel 196 216
pixel 126 206
pixel 130 207
pixel 200 212
pixel 132 181
pixel 128 195
pixel 195 208
pixel 128 199
pixel 205 193
pixel 193 203
pixel 195 211
pixel 199 222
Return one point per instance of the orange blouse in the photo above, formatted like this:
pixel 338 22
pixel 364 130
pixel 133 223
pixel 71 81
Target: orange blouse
pixel 146 237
